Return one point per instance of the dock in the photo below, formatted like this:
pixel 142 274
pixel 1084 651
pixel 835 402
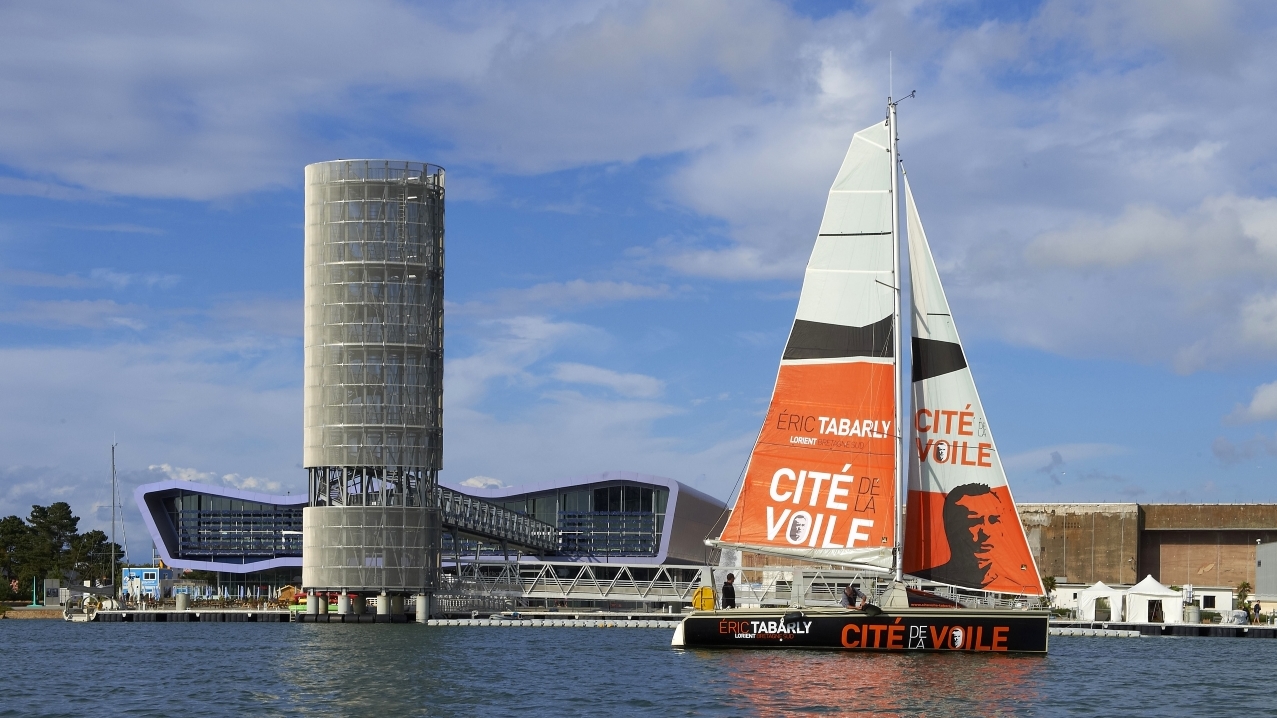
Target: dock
pixel 1125 630
pixel 554 623
pixel 193 616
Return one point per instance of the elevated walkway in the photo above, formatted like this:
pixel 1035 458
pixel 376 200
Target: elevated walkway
pixel 473 517
pixel 550 581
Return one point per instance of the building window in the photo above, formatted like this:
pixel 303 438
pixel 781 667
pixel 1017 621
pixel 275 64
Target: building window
pixel 1208 601
pixel 148 575
pixel 218 528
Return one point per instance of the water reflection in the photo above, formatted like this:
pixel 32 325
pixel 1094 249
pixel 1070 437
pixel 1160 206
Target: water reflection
pixel 887 684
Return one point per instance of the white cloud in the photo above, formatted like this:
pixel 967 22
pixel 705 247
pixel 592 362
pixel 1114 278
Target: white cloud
pixel 631 385
pixel 543 429
pixel 484 482
pixel 1055 455
pixel 270 315
pixel 235 481
pixel 507 347
pixel 1262 407
pixel 120 280
pixel 178 473
pixel 25 278
pixel 65 313
pixel 172 405
pixel 572 294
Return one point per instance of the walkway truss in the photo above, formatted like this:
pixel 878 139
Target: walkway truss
pixel 530 583
pixel 490 522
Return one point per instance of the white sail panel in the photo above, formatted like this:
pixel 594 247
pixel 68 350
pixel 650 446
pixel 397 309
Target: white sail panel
pixel 820 484
pixel 961 525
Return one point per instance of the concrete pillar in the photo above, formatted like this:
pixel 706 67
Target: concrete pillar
pixel 183 601
pixel 383 604
pixel 396 604
pixel 423 607
pixel 312 603
pixel 343 604
pixel 321 605
pixel 359 604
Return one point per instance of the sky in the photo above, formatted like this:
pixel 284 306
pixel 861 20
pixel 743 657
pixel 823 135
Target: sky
pixel 633 191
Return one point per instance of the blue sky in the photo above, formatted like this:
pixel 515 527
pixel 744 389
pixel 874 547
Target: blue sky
pixel 633 191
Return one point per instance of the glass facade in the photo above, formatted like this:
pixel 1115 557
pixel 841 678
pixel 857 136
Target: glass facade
pixel 226 530
pixel 612 519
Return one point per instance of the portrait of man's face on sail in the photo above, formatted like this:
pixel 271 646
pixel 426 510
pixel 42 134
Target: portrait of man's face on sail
pixel 975 524
pixel 798 528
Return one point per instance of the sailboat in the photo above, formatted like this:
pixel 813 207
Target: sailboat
pixel 827 475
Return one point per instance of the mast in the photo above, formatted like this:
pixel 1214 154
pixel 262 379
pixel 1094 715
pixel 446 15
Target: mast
pixel 115 589
pixel 898 547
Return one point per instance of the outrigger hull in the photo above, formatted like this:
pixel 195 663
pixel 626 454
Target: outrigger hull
pixel 905 629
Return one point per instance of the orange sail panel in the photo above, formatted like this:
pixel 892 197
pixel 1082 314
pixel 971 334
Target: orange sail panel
pixel 821 480
pixel 820 483
pixel 961 526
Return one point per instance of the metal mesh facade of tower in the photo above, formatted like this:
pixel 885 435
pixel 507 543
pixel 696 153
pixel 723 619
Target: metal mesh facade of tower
pixel 373 372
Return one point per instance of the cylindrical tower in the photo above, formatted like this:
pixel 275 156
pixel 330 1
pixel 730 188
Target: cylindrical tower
pixel 374 374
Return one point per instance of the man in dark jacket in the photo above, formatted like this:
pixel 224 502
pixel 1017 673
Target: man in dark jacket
pixel 729 591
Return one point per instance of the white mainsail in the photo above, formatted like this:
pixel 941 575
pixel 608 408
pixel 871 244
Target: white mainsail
pixel 821 480
pixel 961 526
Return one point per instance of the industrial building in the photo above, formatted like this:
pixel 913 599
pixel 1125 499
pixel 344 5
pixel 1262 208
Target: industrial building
pixel 1177 544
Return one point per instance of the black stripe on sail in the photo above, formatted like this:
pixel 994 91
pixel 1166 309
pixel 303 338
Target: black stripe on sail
pixel 935 358
pixel 817 340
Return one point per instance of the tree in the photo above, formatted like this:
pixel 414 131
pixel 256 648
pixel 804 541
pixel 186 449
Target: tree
pixel 1243 592
pixel 14 537
pixel 48 545
pixel 54 527
pixel 90 556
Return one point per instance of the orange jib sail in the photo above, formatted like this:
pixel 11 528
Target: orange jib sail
pixel 820 484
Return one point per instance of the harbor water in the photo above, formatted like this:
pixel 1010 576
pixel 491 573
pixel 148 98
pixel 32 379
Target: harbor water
pixel 52 668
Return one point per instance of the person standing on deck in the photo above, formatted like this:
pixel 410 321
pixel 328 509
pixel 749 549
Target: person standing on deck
pixel 729 591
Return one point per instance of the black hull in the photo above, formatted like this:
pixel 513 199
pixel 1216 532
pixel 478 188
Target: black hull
pixel 914 629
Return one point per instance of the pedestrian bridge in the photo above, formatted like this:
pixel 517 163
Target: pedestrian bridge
pixel 473 517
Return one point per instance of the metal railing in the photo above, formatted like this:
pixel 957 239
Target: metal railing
pixel 755 586
pixel 476 516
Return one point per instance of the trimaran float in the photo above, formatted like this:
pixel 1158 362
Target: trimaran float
pixel 825 480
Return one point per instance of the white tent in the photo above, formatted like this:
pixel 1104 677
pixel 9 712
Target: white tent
pixel 1146 599
pixel 1089 598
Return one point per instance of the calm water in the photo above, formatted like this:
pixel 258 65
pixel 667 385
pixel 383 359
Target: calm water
pixel 56 668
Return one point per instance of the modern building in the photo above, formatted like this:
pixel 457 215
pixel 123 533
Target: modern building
pixel 243 538
pixel 617 516
pixel 373 415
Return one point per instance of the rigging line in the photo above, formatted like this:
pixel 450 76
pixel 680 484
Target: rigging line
pixel 739 481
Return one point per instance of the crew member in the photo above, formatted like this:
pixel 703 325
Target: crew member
pixel 852 597
pixel 729 591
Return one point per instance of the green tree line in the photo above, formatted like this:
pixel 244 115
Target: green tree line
pixel 48 544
